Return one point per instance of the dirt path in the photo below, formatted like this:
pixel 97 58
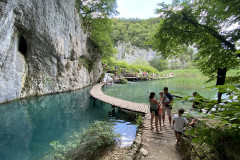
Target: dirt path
pixel 159 146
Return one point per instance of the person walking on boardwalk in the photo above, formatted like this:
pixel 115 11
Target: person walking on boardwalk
pixel 154 105
pixel 167 106
pixel 178 123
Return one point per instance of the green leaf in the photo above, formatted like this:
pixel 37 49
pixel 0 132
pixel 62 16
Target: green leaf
pixel 232 119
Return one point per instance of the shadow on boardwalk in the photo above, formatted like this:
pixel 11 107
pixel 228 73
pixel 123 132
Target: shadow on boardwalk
pixel 159 146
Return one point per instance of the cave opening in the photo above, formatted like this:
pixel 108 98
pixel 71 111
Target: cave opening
pixel 22 46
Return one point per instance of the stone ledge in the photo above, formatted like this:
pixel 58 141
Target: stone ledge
pixel 134 152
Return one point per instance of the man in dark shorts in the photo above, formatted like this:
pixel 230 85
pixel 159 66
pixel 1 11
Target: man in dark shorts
pixel 167 106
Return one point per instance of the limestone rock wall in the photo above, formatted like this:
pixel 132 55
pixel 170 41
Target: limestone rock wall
pixel 41 44
pixel 131 53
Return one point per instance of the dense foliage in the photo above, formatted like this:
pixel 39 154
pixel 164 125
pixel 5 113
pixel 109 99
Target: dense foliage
pixel 224 128
pixel 100 29
pixel 95 15
pixel 135 31
pixel 85 145
pixel 183 59
pixel 207 25
pixel 137 67
pixel 138 33
pixel 159 63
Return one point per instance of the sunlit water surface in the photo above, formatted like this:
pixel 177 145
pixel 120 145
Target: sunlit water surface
pixel 29 125
pixel 139 91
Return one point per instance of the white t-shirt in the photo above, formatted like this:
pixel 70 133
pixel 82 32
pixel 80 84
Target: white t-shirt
pixel 179 123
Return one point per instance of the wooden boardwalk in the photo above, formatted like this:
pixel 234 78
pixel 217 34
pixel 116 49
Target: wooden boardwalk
pixel 159 146
pixel 96 92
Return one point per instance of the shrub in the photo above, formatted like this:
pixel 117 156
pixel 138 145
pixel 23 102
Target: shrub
pixel 139 120
pixel 123 81
pixel 97 136
pixel 131 68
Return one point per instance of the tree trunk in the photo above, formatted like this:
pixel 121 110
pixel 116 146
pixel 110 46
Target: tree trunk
pixel 221 76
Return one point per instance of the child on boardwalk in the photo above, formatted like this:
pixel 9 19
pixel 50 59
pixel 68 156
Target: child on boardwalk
pixel 164 100
pixel 178 123
pixel 160 112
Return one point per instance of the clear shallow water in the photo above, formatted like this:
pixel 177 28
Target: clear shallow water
pixel 139 91
pixel 28 126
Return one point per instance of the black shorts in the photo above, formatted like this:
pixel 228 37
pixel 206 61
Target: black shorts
pixel 154 110
pixel 178 132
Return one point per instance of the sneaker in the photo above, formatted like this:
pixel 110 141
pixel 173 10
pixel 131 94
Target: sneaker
pixel 159 132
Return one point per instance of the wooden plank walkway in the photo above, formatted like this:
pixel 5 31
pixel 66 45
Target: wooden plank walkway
pixel 96 92
pixel 159 146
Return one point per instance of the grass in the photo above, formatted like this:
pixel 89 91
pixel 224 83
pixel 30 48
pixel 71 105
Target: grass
pixel 195 73
pixel 190 80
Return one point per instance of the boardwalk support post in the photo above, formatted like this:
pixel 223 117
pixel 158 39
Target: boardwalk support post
pixel 119 109
pixel 113 110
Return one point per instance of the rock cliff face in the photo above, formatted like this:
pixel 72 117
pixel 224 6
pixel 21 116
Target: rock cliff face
pixel 43 49
pixel 131 53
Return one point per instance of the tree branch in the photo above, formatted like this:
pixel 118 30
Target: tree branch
pixel 211 31
pixel 179 29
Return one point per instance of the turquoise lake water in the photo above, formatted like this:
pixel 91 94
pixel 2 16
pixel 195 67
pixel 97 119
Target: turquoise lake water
pixel 29 125
pixel 139 91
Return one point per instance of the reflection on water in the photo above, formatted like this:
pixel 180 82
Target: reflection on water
pixel 28 126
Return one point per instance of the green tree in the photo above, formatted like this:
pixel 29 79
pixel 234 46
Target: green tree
pixel 100 32
pixel 94 15
pixel 140 61
pixel 204 25
pixel 91 9
pixel 159 63
pixel 135 31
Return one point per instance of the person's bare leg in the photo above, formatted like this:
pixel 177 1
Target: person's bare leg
pixel 178 139
pixel 156 122
pixel 151 121
pixel 170 120
pixel 160 124
pixel 163 117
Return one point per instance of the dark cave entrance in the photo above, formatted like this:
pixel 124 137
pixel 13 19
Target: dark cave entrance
pixel 22 46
